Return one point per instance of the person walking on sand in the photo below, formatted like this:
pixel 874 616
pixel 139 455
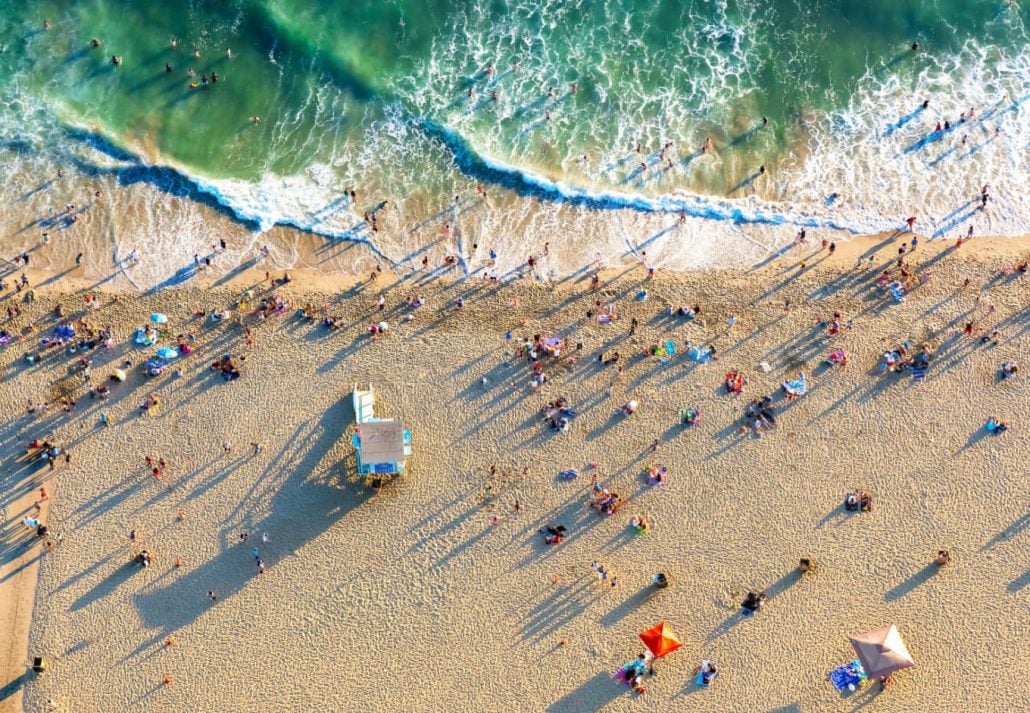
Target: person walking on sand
pixel 911 220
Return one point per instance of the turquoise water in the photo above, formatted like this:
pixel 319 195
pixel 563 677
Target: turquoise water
pixel 542 102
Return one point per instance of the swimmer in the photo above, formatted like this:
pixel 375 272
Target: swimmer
pixel 761 170
pixel 94 43
pixel 572 89
pixel 706 147
pixel 255 119
pixel 196 52
pixel 168 67
pixel 214 77
pixel 228 53
pixel 116 60
pixel 174 42
pixel 926 103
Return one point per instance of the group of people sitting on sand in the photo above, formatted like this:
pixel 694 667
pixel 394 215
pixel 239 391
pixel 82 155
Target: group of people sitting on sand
pixel 227 367
pixel 760 415
pixel 657 474
pixel 603 500
pixel 902 357
pixel 558 414
pixel 553 534
pixel 632 673
pixel 753 602
pixel 734 382
pixel 858 501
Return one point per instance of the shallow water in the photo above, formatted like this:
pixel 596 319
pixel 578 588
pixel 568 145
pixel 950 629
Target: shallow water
pixel 543 103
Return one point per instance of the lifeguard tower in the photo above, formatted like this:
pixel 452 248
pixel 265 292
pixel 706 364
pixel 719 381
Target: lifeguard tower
pixel 381 445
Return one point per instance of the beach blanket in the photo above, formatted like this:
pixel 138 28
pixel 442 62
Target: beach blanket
pixel 848 676
pixel 918 373
pixel 143 339
pixel 699 354
pixel 797 386
pixel 569 474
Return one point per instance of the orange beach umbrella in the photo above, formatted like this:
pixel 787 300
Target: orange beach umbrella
pixel 660 640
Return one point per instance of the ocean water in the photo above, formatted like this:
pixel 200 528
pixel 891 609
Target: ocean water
pixel 583 123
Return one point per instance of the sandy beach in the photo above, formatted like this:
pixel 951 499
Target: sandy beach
pixel 436 592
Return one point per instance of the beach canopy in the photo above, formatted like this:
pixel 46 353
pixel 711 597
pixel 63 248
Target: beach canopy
pixel 881 651
pixel 158 318
pixel 660 640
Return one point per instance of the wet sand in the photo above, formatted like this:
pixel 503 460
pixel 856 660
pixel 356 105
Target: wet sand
pixel 412 598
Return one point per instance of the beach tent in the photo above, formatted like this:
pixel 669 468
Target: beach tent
pixel 881 651
pixel 660 640
pixel 167 353
pixel 158 318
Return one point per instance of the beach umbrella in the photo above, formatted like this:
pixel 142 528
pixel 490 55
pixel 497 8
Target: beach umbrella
pixel 881 651
pixel 167 353
pixel 660 640
pixel 119 374
pixel 158 318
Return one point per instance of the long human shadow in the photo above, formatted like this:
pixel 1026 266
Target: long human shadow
pixel 912 582
pixel 633 602
pixel 558 608
pixel 309 500
pixel 1008 533
pixel 107 585
pixel 14 685
pixel 594 694
pixel 902 121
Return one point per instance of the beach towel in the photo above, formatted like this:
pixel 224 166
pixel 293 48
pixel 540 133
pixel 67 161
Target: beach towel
pixel 569 474
pixel 798 386
pixel 699 354
pixel 670 347
pixel 848 676
pixel 918 373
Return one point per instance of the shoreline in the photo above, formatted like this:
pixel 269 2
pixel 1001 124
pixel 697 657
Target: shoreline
pixel 982 256
pixel 977 249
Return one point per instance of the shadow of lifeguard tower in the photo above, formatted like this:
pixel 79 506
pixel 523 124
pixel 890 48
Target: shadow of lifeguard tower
pixel 381 445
